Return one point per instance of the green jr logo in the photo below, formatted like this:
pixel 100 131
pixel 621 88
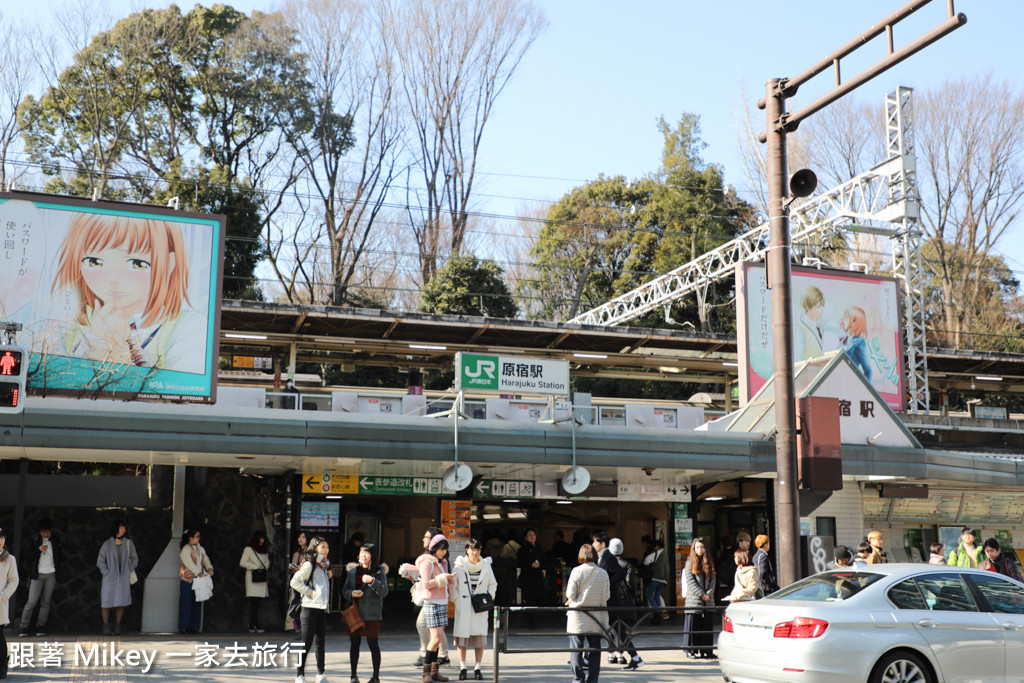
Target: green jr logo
pixel 480 372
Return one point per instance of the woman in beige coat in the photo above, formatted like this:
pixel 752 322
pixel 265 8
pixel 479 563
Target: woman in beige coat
pixel 8 584
pixel 587 587
pixel 255 558
pixel 747 581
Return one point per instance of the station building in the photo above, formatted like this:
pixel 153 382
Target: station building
pixel 336 460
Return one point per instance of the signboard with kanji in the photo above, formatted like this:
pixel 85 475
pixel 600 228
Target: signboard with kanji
pixel 400 486
pixel 511 374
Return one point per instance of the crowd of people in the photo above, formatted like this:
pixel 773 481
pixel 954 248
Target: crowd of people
pixel 499 570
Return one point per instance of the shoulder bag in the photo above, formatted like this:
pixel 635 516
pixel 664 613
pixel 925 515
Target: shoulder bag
pixel 482 602
pixel 568 603
pixel 353 617
pixel 133 578
pixel 259 575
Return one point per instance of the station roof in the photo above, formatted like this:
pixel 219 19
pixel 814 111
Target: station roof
pixel 376 337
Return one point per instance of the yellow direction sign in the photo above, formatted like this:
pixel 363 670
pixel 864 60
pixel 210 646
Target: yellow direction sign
pixel 337 484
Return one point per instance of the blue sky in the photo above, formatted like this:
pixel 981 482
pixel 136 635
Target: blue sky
pixel 587 96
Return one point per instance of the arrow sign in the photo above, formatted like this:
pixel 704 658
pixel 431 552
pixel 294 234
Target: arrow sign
pixel 366 483
pixel 483 488
pixel 338 484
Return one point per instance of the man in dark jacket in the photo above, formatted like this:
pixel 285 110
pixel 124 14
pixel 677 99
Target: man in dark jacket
pixel 616 575
pixel 41 561
pixel 624 595
pixel 997 562
pixel 531 574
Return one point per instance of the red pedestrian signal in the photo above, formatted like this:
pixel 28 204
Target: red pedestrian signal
pixel 12 379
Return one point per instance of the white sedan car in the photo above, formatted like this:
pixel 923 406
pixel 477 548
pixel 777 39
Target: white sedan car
pixel 890 623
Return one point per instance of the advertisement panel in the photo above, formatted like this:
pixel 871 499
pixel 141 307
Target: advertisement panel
pixel 511 374
pixel 116 300
pixel 832 309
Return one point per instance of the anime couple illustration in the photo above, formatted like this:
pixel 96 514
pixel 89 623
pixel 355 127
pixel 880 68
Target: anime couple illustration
pixel 853 324
pixel 130 277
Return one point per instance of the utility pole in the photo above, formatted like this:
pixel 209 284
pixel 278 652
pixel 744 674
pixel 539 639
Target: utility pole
pixel 779 260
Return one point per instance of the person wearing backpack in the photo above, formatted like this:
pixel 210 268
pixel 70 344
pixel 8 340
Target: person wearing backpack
pixel 624 595
pixel 312 582
pixel 658 562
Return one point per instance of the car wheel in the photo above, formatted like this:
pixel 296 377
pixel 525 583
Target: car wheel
pixel 901 667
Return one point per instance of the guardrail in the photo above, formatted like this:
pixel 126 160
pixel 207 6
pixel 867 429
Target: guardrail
pixel 619 633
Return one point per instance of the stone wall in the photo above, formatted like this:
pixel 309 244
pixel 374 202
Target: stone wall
pixel 223 504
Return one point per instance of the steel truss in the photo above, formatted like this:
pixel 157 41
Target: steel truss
pixel 885 194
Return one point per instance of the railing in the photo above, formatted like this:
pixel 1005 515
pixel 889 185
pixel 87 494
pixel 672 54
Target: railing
pixel 619 634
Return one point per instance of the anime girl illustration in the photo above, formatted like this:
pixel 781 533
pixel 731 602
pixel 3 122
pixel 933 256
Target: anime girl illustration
pixel 130 277
pixel 854 324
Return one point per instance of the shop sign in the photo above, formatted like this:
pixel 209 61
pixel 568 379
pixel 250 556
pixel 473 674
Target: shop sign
pixel 504 488
pixel 511 374
pixel 654 492
pixel 401 486
pixel 337 484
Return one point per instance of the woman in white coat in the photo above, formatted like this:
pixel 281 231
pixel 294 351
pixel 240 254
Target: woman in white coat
pixel 473 576
pixel 195 564
pixel 255 558
pixel 588 586
pixel 8 584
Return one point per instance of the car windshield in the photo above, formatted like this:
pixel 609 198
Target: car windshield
pixel 827 587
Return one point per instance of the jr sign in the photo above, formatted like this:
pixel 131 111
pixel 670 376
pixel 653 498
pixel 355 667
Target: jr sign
pixel 511 374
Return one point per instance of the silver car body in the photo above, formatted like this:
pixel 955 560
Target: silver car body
pixel 905 607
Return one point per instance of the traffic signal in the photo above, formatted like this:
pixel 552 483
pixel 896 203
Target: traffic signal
pixel 13 369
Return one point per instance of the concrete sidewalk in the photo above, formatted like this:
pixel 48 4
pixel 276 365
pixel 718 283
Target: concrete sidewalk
pixel 244 657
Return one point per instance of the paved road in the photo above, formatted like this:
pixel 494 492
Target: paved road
pixel 174 658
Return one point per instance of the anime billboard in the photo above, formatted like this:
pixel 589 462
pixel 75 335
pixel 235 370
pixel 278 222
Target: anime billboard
pixel 832 310
pixel 116 300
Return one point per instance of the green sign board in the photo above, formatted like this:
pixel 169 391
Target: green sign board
pixel 504 488
pixel 511 374
pixel 400 486
pixel 478 372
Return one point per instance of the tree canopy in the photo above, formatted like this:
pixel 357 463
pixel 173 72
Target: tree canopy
pixel 466 285
pixel 611 235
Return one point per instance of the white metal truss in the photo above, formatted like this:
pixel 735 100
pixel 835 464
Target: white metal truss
pixel 906 243
pixel 885 194
pixel 861 199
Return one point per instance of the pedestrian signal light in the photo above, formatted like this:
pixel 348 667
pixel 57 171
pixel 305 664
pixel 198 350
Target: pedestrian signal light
pixel 12 378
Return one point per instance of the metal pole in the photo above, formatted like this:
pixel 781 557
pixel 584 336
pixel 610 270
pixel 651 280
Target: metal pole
pixel 779 276
pixel 497 635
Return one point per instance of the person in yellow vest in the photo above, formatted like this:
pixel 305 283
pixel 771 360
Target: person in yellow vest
pixel 966 554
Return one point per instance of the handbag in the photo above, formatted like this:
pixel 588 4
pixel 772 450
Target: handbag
pixel 482 602
pixel 133 578
pixel 259 575
pixel 353 618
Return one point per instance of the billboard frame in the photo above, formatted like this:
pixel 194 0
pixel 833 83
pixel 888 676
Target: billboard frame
pixel 157 212
pixel 743 331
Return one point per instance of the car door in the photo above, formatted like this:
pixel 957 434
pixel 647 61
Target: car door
pixel 1005 603
pixel 966 643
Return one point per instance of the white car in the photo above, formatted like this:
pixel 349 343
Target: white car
pixel 890 623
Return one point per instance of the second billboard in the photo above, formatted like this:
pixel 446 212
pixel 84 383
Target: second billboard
pixel 832 310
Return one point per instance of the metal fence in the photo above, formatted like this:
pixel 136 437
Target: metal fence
pixel 618 636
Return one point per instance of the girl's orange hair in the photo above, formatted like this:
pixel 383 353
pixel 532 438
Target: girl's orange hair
pixel 855 322
pixel 160 239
